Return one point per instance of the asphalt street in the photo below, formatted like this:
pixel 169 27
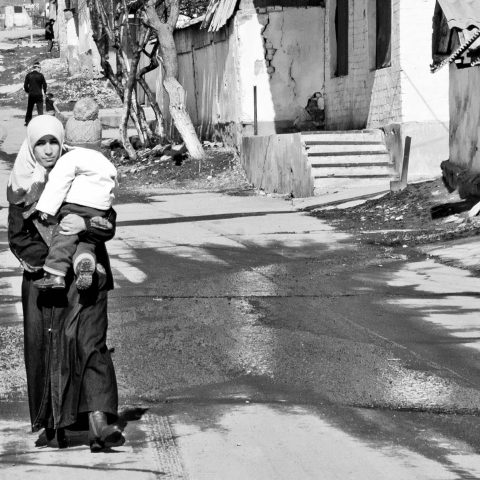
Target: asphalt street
pixel 253 341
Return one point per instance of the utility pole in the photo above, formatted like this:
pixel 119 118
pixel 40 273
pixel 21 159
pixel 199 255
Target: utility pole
pixel 31 21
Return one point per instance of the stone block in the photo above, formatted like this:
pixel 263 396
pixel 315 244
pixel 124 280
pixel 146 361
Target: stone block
pixel 262 19
pixel 86 109
pixel 84 128
pixel 83 132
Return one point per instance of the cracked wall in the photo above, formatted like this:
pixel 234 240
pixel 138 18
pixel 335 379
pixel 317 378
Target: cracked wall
pixel 281 52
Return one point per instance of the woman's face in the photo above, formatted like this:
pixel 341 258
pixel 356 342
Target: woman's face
pixel 47 151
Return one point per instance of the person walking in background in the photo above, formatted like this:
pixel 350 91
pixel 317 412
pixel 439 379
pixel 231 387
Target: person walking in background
pixel 35 85
pixel 49 35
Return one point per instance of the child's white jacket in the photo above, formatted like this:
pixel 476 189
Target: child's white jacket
pixel 81 176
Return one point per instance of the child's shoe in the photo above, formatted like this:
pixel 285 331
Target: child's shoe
pixel 50 281
pixel 84 270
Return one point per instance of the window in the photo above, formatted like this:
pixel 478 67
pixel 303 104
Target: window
pixel 17 9
pixel 341 38
pixel 383 36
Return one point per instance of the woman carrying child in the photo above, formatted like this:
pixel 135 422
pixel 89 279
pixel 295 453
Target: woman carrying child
pixel 70 375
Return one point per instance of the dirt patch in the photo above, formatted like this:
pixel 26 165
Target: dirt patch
pixel 422 213
pixel 219 171
pixel 18 61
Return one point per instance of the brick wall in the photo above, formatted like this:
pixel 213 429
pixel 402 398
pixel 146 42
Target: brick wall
pixel 365 97
pixel 403 92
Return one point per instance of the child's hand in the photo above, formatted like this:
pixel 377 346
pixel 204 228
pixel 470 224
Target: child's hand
pixel 43 216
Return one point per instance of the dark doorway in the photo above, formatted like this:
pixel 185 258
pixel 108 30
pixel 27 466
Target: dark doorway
pixel 341 37
pixel 383 57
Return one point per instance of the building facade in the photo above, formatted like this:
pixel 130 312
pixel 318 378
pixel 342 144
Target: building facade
pixel 277 66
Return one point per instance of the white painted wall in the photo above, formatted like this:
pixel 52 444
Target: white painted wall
pixel 281 51
pixel 425 113
pixel 424 95
pixel 13 19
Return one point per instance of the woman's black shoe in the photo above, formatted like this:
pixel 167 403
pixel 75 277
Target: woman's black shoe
pixel 52 438
pixel 101 435
pixel 61 438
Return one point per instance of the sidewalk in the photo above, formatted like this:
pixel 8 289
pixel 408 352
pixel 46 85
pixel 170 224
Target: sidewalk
pixel 463 253
pixel 18 33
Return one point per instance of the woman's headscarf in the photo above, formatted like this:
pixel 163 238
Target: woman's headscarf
pixel 28 177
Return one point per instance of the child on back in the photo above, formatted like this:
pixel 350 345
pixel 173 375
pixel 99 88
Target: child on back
pixel 82 182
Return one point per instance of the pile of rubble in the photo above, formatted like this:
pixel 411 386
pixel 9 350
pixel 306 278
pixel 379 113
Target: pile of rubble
pixel 99 89
pixel 424 212
pixel 170 166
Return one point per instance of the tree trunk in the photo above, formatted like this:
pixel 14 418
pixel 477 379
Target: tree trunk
pixel 127 102
pixel 181 118
pixel 62 29
pixel 172 86
pixel 159 130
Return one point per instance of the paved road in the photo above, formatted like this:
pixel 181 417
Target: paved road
pixel 254 342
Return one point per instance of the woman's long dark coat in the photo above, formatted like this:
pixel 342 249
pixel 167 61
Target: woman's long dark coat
pixel 69 368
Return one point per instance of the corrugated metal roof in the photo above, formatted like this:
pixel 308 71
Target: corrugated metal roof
pixel 218 13
pixel 459 51
pixel 461 14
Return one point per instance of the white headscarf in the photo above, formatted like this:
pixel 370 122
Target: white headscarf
pixel 28 177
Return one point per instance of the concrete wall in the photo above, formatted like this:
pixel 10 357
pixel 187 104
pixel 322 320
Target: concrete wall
pixel 281 52
pixel 277 164
pixel 424 96
pixel 465 117
pixel 425 114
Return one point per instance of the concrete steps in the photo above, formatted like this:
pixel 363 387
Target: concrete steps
pixel 343 158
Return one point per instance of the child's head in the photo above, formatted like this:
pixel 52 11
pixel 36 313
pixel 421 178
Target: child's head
pixel 50 95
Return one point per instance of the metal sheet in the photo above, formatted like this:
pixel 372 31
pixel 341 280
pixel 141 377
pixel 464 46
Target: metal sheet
pixel 461 14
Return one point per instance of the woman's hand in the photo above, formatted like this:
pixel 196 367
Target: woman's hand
pixel 72 224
